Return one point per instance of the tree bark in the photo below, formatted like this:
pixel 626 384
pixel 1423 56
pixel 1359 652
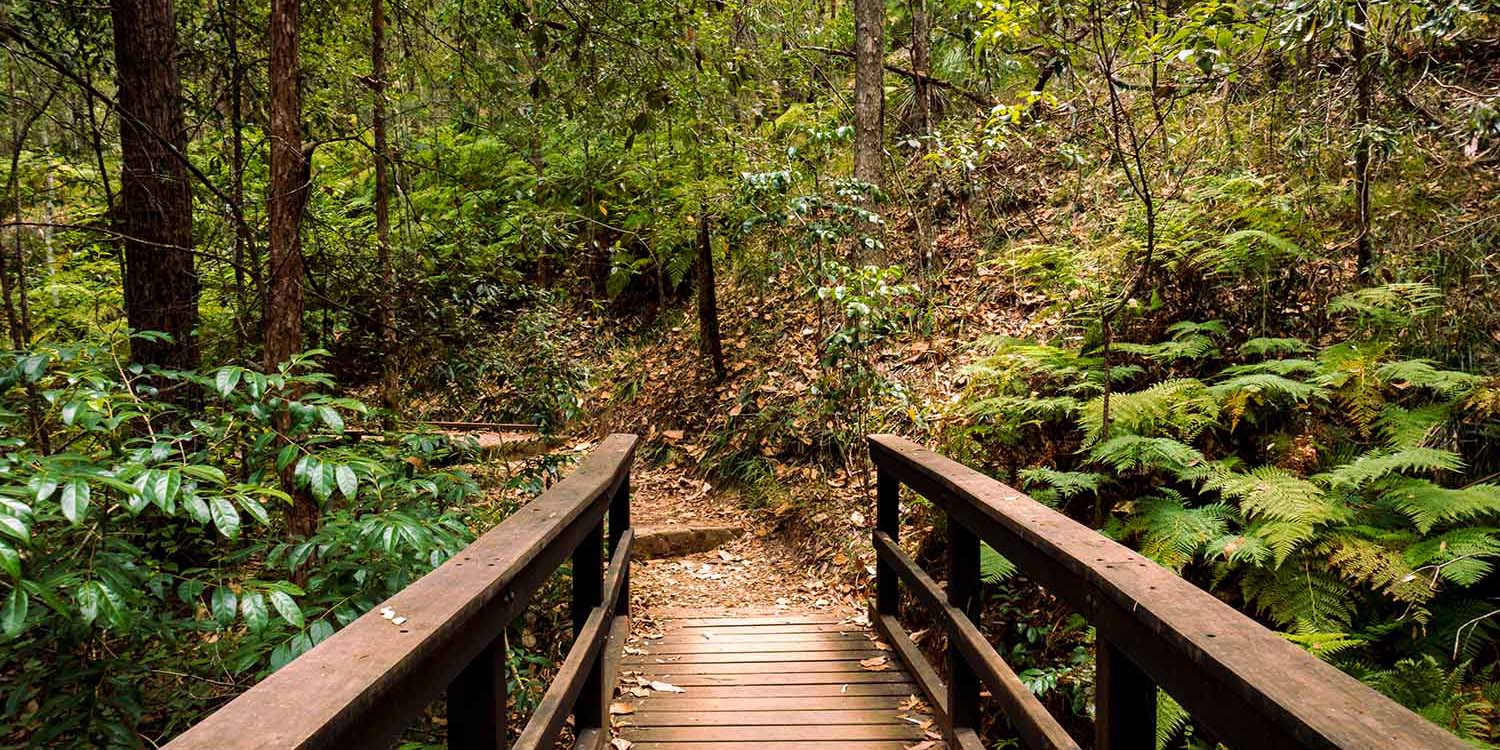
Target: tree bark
pixel 708 301
pixel 869 90
pixel 290 174
pixel 921 65
pixel 155 213
pixel 1358 31
pixel 389 385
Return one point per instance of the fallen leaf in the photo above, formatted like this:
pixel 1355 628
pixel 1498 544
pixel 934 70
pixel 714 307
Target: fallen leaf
pixel 665 687
pixel 619 708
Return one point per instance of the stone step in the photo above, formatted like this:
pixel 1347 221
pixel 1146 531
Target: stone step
pixel 675 541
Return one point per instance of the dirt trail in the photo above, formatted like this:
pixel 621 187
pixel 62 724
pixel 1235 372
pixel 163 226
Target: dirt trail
pixel 756 570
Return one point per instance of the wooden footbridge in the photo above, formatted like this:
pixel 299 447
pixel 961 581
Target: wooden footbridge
pixel 781 682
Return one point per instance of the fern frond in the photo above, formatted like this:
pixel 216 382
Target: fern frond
pixel 1461 556
pixel 1422 373
pixel 1428 504
pixel 993 566
pixel 1402 428
pixel 1325 646
pixel 1265 385
pixel 1380 464
pixel 1171 719
pixel 1247 549
pixel 1307 597
pixel 1172 533
pixel 1182 407
pixel 1287 509
pixel 1065 484
pixel 1136 453
pixel 1389 304
pixel 1261 347
pixel 1367 562
pixel 1282 367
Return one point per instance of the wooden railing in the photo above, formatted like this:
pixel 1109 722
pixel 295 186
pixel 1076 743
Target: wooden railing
pixel 1242 683
pixel 363 685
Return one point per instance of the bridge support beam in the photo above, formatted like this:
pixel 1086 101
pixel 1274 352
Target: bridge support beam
pixel 1124 701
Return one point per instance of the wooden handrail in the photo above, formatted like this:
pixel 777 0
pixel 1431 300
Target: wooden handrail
pixel 1243 683
pixel 367 682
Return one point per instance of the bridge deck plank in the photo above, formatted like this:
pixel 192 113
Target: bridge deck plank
pixel 768 682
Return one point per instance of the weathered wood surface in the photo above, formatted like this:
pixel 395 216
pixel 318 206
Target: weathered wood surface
pixel 365 683
pixel 1246 684
pixel 768 683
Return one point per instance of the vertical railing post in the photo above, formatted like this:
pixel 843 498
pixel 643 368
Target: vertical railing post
pixel 888 520
pixel 588 592
pixel 476 702
pixel 619 522
pixel 1124 701
pixel 963 593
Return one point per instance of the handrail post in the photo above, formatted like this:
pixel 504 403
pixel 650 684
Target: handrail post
pixel 588 593
pixel 963 594
pixel 1124 701
pixel 619 523
pixel 888 520
pixel 476 702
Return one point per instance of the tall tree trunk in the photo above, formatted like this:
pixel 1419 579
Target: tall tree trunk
pixel 290 173
pixel 246 256
pixel 389 387
pixel 708 301
pixel 869 89
pixel 1358 31
pixel 155 214
pixel 921 65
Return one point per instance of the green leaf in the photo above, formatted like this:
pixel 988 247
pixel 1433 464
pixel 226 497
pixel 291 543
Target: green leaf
pixel 223 604
pixel 253 607
pixel 75 500
pixel 10 560
pixel 226 379
pixel 15 527
pixel 196 508
pixel 33 367
pixel 13 614
pixel 256 510
pixel 348 481
pixel 44 487
pixel 285 457
pixel 88 601
pixel 321 479
pixel 206 473
pixel 330 417
pixel 225 517
pixel 287 608
pixel 164 490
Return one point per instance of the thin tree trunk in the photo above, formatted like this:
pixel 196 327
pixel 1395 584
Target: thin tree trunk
pixel 869 91
pixel 244 243
pixel 389 387
pixel 708 300
pixel 155 214
pixel 1358 31
pixel 921 64
pixel 290 174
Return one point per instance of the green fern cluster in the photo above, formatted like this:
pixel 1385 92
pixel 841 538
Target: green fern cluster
pixel 1323 488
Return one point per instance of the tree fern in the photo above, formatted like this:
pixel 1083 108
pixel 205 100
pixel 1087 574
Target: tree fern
pixel 1171 719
